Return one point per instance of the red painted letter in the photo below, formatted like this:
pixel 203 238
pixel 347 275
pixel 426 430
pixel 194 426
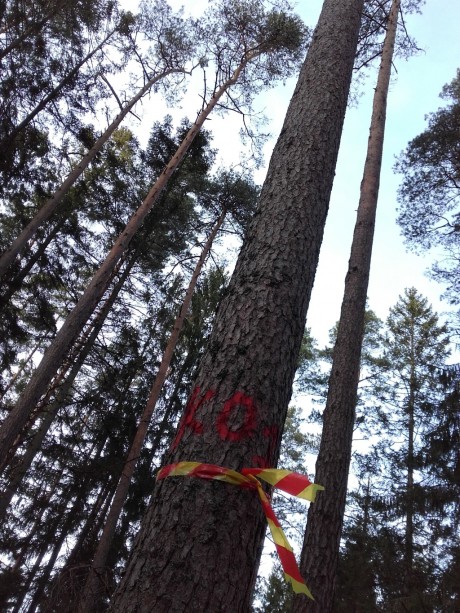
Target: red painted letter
pixel 188 419
pixel 238 400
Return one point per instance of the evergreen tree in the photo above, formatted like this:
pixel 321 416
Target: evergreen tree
pixel 200 541
pixel 429 195
pixel 109 378
pixel 229 190
pixel 277 596
pixel 269 41
pixel 400 543
pixel 171 53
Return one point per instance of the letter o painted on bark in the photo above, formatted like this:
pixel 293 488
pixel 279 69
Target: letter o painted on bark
pixel 237 402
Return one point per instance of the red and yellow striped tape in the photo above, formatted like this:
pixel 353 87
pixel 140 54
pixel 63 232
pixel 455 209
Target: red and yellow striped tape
pixel 291 482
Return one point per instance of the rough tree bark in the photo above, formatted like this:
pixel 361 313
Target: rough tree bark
pixel 325 518
pixel 92 591
pixel 200 541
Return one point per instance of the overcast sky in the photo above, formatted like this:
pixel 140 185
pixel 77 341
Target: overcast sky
pixel 415 89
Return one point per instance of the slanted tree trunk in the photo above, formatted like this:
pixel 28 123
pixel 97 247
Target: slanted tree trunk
pixel 65 588
pixel 92 591
pixel 76 320
pixel 52 95
pixel 45 212
pixel 60 529
pixel 85 346
pixel 14 283
pixel 325 518
pixel 92 525
pixel 25 545
pixel 34 28
pixel 44 579
pixel 200 542
pixel 71 358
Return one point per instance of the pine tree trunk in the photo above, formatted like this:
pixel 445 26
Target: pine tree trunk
pixel 409 528
pixel 76 320
pixel 92 525
pixel 92 590
pixel 66 587
pixel 58 378
pixel 45 212
pixel 19 561
pixel 325 518
pixel 44 579
pixel 51 410
pixel 31 575
pixel 55 91
pixel 32 29
pixel 172 407
pixel 62 533
pixel 200 541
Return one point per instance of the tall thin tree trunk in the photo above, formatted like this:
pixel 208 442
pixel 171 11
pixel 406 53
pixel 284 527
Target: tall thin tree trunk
pixel 45 212
pixel 56 90
pixel 14 284
pixel 18 563
pixel 325 518
pixel 200 542
pixel 43 581
pixel 65 589
pixel 409 528
pixel 91 591
pixel 98 285
pixel 172 407
pixel 30 577
pixel 51 410
pixel 63 533
pixel 92 524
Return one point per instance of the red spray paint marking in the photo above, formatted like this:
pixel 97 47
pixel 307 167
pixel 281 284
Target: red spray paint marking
pixel 189 420
pixel 238 400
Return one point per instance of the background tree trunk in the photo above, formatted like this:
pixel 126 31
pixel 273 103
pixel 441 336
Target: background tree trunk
pixel 325 518
pixel 62 392
pixel 51 205
pixel 52 95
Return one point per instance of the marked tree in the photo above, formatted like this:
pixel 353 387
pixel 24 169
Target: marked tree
pixel 200 542
pixel 232 193
pixel 102 395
